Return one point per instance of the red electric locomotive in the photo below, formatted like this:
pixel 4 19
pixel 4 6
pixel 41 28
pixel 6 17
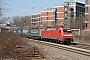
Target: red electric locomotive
pixel 58 35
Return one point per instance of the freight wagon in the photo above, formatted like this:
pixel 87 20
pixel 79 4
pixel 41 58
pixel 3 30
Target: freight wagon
pixel 21 31
pixel 35 33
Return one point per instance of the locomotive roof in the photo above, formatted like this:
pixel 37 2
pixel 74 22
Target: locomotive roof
pixel 63 28
pixel 56 28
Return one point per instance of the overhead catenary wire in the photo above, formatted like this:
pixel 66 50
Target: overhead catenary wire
pixel 26 6
pixel 30 8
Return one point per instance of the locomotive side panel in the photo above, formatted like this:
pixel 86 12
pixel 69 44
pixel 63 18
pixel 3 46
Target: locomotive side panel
pixel 62 34
pixel 51 34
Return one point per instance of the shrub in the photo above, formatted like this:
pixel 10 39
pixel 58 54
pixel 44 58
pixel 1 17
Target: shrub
pixel 8 42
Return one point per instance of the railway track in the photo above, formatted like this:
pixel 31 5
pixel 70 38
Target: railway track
pixel 81 45
pixel 27 53
pixel 72 48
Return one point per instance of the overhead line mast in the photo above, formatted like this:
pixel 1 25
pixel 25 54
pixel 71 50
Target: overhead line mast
pixel 68 14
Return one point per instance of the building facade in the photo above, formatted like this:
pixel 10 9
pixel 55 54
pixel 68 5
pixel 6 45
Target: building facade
pixel 48 17
pixel 87 10
pixel 55 16
pixel 60 16
pixel 33 20
pixel 39 20
pixel 73 13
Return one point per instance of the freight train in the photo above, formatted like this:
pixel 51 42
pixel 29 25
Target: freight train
pixel 21 31
pixel 60 35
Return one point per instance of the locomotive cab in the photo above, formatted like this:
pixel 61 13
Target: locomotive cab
pixel 67 36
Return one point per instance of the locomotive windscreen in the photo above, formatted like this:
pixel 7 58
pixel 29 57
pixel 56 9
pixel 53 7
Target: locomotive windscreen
pixel 65 30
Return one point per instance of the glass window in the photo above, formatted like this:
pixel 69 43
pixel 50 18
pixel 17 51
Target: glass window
pixel 75 14
pixel 74 3
pixel 86 1
pixel 65 14
pixel 60 31
pixel 86 9
pixel 65 30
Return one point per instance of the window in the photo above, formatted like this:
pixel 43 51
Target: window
pixel 60 31
pixel 65 30
pixel 86 1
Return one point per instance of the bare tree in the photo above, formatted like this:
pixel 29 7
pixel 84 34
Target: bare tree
pixel 0 8
pixel 2 19
pixel 16 21
pixel 21 21
pixel 80 22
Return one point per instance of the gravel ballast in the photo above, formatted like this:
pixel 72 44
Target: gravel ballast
pixel 52 53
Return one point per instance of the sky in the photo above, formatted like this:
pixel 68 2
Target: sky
pixel 28 7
